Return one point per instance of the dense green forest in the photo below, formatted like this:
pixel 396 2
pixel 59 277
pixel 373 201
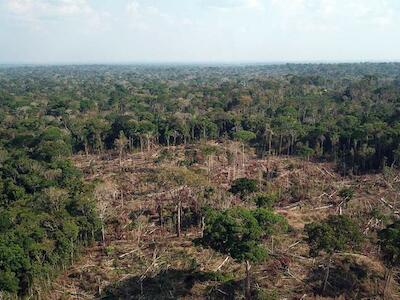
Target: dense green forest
pixel 348 114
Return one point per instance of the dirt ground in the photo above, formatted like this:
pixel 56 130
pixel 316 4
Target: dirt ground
pixel 139 259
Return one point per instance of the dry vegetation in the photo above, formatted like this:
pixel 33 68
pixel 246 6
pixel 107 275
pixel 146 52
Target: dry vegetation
pixel 139 259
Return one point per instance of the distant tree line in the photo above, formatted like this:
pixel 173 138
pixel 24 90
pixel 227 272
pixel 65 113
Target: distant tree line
pixel 344 113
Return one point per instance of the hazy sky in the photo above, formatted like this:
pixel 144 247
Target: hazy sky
pixel 110 31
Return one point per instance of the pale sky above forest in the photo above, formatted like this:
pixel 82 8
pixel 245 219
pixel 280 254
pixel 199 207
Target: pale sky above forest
pixel 145 31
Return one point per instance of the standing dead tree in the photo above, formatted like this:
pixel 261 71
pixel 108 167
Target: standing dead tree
pixel 104 194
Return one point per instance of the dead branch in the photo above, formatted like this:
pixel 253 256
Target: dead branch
pixel 323 194
pixel 298 256
pixel 293 245
pixel 390 206
pixel 331 195
pixel 292 206
pixel 222 292
pixel 221 265
pixel 291 275
pixel 128 253
pixel 325 171
pixel 323 207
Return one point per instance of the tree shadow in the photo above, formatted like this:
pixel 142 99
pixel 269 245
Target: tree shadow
pixel 347 279
pixel 232 289
pixel 176 284
pixel 168 284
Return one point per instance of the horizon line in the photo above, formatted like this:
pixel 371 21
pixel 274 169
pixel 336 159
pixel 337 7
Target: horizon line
pixel 191 63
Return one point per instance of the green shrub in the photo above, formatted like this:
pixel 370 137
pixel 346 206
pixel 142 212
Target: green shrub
pixel 336 233
pixel 243 187
pixel 266 200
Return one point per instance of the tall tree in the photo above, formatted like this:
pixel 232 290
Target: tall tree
pixel 239 233
pixel 336 233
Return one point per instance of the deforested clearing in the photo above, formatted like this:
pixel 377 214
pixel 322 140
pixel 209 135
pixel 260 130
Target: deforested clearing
pixel 142 259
